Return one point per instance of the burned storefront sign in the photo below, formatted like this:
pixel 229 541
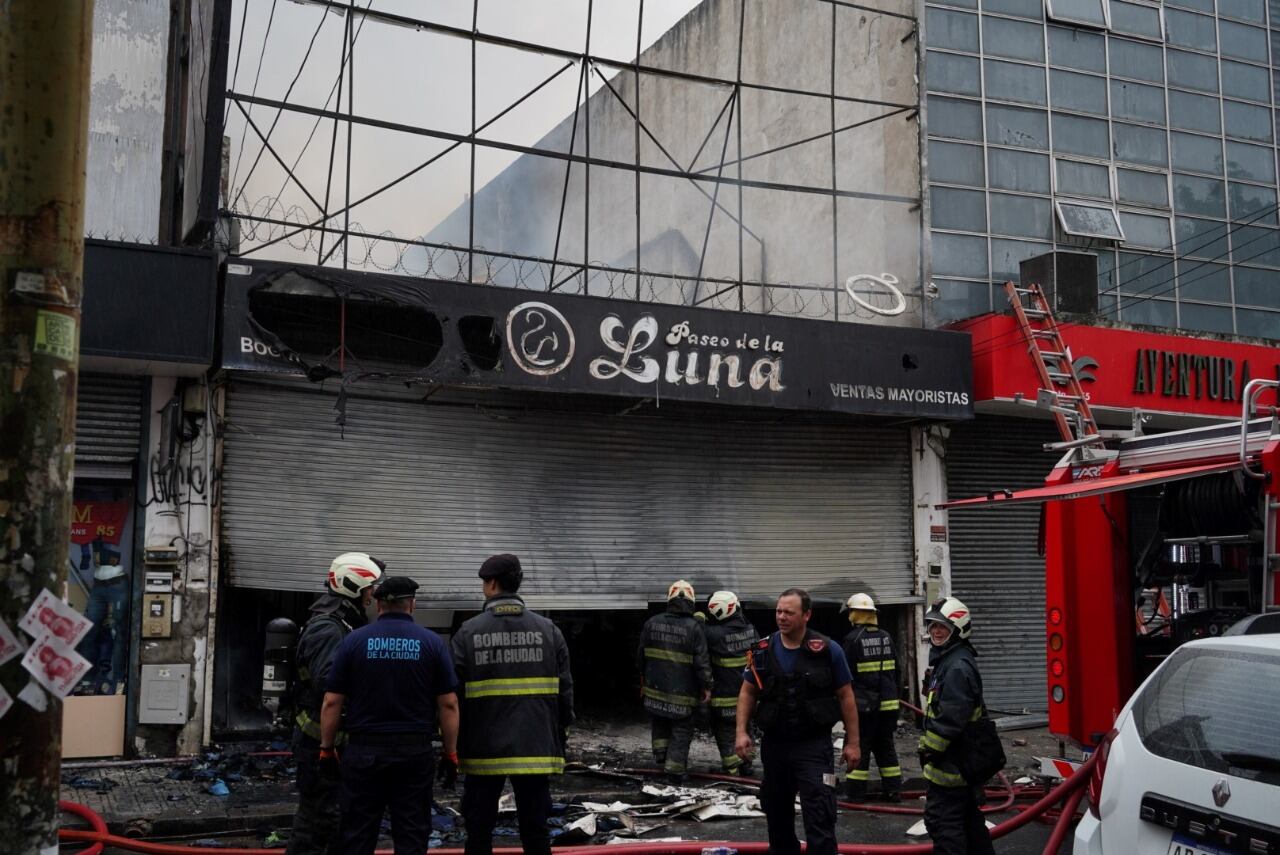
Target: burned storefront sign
pixel 321 323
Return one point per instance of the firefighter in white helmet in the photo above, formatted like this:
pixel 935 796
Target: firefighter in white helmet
pixel 349 585
pixel 729 637
pixel 953 703
pixel 675 677
pixel 874 664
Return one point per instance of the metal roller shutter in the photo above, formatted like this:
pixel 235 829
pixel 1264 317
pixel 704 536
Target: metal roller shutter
pixel 995 565
pixel 108 418
pixel 604 510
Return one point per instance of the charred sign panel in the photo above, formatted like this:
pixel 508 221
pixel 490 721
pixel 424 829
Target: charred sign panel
pixel 321 322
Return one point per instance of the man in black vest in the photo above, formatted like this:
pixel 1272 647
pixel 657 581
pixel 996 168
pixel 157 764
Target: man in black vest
pixel 676 671
pixel 729 637
pixel 349 586
pixel 874 665
pixel 798 685
pixel 517 705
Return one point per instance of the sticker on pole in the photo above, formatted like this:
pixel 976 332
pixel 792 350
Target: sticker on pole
pixel 10 644
pixel 50 615
pixel 55 666
pixel 55 335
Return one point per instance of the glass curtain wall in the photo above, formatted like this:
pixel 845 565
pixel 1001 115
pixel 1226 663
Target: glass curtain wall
pixel 1155 124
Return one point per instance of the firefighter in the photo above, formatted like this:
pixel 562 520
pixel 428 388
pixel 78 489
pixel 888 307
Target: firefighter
pixel 729 637
pixel 395 680
pixel 676 676
pixel 953 698
pixel 517 705
pixel 800 680
pixel 874 665
pixel 349 586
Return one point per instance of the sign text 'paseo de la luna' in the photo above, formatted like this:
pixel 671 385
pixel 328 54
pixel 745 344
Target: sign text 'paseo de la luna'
pixel 459 334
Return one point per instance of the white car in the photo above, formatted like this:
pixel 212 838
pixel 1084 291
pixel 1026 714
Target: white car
pixel 1194 765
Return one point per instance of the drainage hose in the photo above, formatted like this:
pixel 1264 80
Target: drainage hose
pixel 1072 789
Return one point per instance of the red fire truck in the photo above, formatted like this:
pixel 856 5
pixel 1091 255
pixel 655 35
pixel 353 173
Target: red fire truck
pixel 1149 541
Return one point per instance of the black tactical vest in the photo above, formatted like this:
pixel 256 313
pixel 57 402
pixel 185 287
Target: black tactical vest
pixel 802 703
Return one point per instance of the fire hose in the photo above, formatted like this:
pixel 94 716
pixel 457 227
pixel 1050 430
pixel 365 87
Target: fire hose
pixel 1071 790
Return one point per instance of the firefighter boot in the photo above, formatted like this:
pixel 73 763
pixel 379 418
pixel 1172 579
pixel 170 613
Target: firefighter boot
pixel 855 789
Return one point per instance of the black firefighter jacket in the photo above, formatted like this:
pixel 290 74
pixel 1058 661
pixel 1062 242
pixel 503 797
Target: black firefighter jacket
pixel 673 659
pixel 727 644
pixel 332 619
pixel 874 665
pixel 953 699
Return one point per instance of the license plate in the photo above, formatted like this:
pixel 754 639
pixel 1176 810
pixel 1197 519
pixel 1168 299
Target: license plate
pixel 1180 845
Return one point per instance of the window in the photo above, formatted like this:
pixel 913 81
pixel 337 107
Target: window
pixel 1008 255
pixel 1192 71
pixel 967 4
pixel 1258 324
pixel 1145 230
pixel 953 163
pixel 1194 316
pixel 1255 245
pixel 959 255
pixel 1083 92
pixel 1259 288
pixel 1010 81
pixel 1247 10
pixel 1089 221
pixel 1195 112
pixel 1021 8
pixel 1192 31
pixel 1136 19
pixel 1196 153
pixel 1078 135
pixel 1014 39
pixel 1204 196
pixel 1144 274
pixel 1243 41
pixel 1022 216
pixel 1245 81
pixel 1247 121
pixel 1137 144
pixel 959 299
pixel 1083 179
pixel 1019 170
pixel 1200 280
pixel 1143 188
pixel 948 29
pixel 1201 5
pixel 1134 59
pixel 948 72
pixel 965 210
pixel 1137 101
pixel 1155 313
pixel 1252 203
pixel 1251 162
pixel 957 119
pixel 1071 48
pixel 1093 12
pixel 1200 238
pixel 1018 127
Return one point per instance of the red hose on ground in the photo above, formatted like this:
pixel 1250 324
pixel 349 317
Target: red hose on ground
pixel 1072 787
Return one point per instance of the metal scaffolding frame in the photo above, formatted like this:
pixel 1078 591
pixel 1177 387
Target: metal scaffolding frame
pixel 333 231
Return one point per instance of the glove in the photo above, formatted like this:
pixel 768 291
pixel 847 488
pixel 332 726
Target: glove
pixel 328 765
pixel 448 774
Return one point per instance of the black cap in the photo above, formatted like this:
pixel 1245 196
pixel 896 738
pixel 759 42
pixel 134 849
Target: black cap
pixel 396 588
pixel 499 565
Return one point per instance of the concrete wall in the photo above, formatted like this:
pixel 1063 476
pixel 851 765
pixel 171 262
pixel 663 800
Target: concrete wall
pixel 789 235
pixel 126 119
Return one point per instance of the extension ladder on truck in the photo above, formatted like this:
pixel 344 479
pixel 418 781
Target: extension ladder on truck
pixel 1059 384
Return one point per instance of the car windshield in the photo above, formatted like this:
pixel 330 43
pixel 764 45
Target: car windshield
pixel 1215 709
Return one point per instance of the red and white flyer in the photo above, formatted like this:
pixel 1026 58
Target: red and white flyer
pixel 49 615
pixel 10 644
pixel 55 665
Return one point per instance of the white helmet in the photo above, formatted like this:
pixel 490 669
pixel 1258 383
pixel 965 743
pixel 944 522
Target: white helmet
pixel 723 605
pixel 680 589
pixel 352 572
pixel 951 612
pixel 860 603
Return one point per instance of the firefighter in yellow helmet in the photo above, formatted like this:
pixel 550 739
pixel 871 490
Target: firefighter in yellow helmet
pixel 874 664
pixel 676 674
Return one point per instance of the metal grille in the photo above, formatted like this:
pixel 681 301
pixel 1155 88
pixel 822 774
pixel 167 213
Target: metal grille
pixel 604 510
pixel 108 418
pixel 995 566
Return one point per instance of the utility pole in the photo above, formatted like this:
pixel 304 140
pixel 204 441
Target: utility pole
pixel 44 117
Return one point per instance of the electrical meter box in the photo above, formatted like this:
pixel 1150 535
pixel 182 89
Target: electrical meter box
pixel 164 698
pixel 157 615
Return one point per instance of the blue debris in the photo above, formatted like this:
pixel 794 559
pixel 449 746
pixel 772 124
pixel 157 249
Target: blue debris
pixel 218 788
pixel 442 822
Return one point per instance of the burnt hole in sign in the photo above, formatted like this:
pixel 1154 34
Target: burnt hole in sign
pixel 909 362
pixel 483 347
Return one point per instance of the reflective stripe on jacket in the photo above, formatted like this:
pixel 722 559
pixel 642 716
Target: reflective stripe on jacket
pixel 517 691
pixel 953 699
pixel 673 659
pixel 727 643
pixel 874 666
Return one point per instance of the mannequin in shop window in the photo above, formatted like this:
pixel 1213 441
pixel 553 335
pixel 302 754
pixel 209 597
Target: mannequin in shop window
pixel 108 607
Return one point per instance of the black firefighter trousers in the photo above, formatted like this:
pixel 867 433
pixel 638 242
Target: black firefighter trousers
pixel 794 766
pixel 533 806
pixel 315 825
pixel 954 820
pixel 380 777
